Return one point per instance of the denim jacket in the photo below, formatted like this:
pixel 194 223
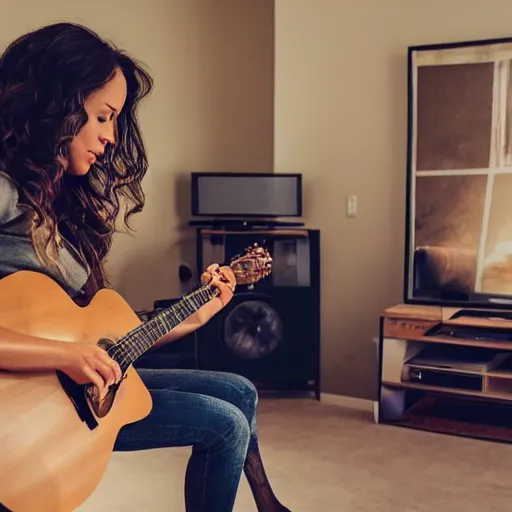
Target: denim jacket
pixel 17 251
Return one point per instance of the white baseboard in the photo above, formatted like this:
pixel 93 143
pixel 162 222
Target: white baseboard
pixel 350 402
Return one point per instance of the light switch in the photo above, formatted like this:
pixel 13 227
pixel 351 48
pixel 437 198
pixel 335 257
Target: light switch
pixel 351 206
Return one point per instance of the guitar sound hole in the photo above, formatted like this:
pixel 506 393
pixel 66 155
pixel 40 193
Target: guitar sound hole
pixel 102 407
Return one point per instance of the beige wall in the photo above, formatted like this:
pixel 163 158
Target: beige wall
pixel 340 119
pixel 212 109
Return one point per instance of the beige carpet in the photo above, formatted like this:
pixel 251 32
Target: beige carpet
pixel 323 458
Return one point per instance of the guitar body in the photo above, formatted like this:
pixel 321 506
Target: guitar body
pixel 56 437
pixel 50 460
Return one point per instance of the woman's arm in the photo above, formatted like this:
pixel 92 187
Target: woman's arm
pixel 193 322
pixel 21 352
pixel 83 362
pixel 220 277
pixel 86 362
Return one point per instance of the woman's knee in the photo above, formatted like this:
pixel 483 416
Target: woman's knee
pixel 247 394
pixel 228 428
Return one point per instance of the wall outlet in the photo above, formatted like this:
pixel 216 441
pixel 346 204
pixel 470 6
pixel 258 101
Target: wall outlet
pixel 351 206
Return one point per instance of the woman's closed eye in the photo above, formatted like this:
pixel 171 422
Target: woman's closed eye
pixel 103 119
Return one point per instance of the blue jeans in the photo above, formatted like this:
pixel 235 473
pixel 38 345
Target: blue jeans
pixel 213 412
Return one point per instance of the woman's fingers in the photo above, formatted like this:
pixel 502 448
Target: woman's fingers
pixel 113 365
pixel 213 268
pixel 96 379
pixel 228 276
pixel 106 372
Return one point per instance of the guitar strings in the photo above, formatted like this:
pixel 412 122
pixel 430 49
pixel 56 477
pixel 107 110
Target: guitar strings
pixel 140 339
pixel 136 338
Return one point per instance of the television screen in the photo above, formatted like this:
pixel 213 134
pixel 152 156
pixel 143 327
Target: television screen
pixel 459 174
pixel 246 195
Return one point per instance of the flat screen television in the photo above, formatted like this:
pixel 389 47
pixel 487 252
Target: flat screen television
pixel 459 175
pixel 246 195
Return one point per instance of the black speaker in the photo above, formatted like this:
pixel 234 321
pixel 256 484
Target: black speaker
pixel 270 331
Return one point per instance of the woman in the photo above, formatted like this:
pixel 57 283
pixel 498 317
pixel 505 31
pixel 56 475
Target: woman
pixel 71 161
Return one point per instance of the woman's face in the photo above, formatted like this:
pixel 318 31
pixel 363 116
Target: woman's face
pixel 102 107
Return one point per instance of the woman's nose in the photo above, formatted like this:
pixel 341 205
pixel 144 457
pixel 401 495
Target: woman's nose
pixel 107 140
pixel 108 136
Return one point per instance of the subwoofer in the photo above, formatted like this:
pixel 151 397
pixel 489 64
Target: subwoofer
pixel 270 331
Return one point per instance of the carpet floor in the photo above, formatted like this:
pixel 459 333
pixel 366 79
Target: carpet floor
pixel 324 458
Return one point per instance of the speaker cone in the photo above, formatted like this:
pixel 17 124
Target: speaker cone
pixel 253 329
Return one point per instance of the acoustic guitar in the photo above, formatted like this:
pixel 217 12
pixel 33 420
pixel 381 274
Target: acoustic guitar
pixel 57 437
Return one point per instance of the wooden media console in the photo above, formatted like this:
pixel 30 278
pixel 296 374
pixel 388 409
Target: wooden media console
pixel 446 370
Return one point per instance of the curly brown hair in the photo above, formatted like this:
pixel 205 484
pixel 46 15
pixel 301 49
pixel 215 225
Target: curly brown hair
pixel 45 77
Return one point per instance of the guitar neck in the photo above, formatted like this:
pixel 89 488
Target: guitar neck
pixel 248 268
pixel 143 337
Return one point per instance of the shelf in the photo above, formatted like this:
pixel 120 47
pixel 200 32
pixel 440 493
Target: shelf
pixel 461 416
pixel 504 374
pixel 494 388
pixel 414 312
pixel 437 389
pixel 447 370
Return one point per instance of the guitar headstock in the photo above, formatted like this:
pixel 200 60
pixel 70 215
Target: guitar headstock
pixel 251 266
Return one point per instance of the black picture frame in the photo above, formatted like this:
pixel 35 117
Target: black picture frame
pixel 459 58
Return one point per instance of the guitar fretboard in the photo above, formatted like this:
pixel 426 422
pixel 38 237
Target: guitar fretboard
pixel 143 337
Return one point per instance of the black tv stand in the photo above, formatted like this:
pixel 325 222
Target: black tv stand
pixel 244 224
